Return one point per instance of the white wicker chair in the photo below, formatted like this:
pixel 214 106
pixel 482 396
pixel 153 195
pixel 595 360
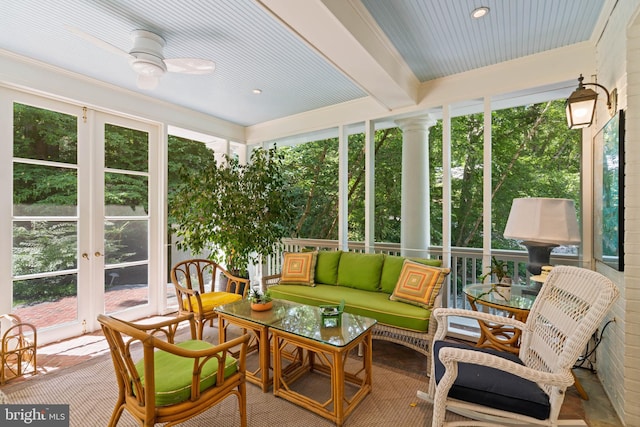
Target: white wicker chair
pixel 495 388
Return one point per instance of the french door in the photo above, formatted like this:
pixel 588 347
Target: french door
pixel 82 214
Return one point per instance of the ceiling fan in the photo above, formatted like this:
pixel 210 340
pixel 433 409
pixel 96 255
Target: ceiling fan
pixel 147 60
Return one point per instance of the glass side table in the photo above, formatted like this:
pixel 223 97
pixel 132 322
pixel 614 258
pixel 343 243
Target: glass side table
pixel 493 335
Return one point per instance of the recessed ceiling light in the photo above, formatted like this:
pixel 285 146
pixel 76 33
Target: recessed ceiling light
pixel 479 12
pixel 257 91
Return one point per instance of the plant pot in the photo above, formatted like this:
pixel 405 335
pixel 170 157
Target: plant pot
pixel 255 306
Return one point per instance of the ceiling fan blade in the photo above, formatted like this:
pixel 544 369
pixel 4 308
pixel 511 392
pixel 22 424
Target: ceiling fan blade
pixel 190 65
pixel 98 42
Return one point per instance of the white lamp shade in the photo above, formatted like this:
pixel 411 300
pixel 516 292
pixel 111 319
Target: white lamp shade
pixel 543 220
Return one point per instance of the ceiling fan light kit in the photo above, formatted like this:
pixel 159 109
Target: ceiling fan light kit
pixel 147 60
pixel 146 54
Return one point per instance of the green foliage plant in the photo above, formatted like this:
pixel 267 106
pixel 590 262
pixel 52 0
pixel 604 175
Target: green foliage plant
pixel 235 212
pixel 498 268
pixel 256 296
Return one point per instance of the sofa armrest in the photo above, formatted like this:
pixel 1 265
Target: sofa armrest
pixel 433 322
pixel 271 280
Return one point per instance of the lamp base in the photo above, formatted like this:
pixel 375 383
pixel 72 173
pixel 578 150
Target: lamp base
pixel 539 255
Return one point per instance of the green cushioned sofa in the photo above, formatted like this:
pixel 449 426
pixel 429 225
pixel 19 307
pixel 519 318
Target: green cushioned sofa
pixel 364 282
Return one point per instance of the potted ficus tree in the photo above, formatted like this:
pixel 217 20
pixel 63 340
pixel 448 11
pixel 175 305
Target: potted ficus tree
pixel 235 212
pixel 502 286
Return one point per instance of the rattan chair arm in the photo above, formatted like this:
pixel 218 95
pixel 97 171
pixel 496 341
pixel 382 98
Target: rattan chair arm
pixel 184 291
pixel 141 331
pixel 192 293
pixel 183 352
pixel 188 291
pixel 236 282
pixel 166 328
pixel 451 355
pixel 158 325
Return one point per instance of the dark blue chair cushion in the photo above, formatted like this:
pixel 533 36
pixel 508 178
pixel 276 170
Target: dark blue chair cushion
pixel 492 387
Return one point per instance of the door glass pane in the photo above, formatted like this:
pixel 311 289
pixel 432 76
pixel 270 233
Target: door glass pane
pixel 126 149
pixel 126 223
pixel 125 287
pixel 44 135
pixel 125 241
pixel 46 301
pixel 45 185
pixel 126 195
pixel 44 190
pixel 44 246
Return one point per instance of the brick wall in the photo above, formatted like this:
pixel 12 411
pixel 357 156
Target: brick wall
pixel 618 65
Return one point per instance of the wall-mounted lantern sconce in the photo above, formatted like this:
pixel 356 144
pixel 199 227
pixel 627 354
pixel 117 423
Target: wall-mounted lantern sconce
pixel 581 104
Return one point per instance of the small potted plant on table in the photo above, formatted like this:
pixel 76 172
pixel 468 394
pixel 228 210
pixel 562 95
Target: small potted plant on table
pixel 260 301
pixel 498 269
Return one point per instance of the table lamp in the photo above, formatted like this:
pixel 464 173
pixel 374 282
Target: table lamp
pixel 542 224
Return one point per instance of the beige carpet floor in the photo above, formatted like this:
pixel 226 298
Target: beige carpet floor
pixel 90 389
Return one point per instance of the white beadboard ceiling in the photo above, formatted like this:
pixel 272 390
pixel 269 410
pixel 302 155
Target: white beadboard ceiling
pixel 303 54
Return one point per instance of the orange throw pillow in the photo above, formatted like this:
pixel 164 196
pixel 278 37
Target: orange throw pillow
pixel 419 284
pixel 298 268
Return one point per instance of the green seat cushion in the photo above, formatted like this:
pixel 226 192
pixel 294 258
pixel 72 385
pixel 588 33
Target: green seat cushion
pixel 360 271
pixel 369 304
pixel 392 267
pixel 173 374
pixel 327 267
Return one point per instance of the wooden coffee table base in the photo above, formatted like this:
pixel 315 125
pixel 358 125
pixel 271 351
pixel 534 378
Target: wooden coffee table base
pixel 259 342
pixel 324 358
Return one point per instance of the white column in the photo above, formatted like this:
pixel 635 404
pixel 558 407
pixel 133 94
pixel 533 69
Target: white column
pixel 446 185
pixel 487 187
pixel 415 235
pixel 343 188
pixel 369 196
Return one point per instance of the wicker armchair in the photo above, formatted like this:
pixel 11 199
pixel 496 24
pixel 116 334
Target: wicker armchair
pixel 193 280
pixel 202 375
pixel 502 388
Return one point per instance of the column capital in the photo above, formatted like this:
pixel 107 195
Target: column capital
pixel 423 122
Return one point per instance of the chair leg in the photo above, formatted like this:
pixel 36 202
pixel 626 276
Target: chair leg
pixel 200 331
pixel 242 403
pixel 117 412
pixel 581 391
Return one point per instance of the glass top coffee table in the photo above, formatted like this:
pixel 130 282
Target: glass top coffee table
pixel 301 345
